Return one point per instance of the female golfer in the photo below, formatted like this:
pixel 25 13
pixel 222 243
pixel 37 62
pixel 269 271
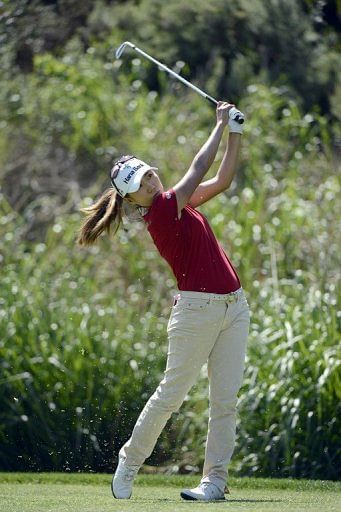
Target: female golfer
pixel 209 321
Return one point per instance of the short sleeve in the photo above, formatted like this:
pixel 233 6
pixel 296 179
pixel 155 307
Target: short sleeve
pixel 163 214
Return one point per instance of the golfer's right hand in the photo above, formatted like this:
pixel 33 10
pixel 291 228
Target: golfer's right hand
pixel 222 111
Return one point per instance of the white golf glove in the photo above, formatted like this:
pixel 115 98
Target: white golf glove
pixel 234 126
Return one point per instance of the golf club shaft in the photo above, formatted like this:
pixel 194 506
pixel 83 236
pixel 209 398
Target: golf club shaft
pixel 175 75
pixel 234 113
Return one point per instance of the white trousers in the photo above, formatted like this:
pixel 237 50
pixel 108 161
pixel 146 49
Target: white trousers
pixel 203 327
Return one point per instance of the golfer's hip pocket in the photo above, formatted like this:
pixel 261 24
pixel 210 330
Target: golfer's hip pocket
pixel 186 304
pixel 187 314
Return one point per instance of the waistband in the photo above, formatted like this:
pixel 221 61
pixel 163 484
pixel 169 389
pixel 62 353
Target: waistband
pixel 212 297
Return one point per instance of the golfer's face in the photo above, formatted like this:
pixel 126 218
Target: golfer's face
pixel 149 188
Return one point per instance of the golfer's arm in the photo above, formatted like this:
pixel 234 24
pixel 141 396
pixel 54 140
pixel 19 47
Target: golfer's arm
pixel 199 167
pixel 223 179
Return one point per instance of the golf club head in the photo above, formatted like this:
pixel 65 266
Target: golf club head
pixel 121 48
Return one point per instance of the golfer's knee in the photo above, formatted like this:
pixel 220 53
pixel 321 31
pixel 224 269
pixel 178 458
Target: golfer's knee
pixel 168 398
pixel 222 407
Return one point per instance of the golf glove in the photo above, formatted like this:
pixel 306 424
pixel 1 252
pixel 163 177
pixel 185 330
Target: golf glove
pixel 234 126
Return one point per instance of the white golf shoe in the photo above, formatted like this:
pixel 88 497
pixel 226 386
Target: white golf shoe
pixel 204 492
pixel 123 479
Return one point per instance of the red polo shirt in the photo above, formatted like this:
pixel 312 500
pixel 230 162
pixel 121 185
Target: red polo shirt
pixel 188 244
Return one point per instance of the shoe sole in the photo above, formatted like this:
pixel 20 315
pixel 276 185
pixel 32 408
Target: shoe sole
pixel 112 490
pixel 188 497
pixel 112 487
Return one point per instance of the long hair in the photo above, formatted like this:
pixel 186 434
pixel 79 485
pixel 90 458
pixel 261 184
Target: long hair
pixel 104 215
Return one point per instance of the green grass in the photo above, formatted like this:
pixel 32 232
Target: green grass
pixel 62 492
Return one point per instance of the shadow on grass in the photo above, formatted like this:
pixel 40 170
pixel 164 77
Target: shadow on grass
pixel 217 502
pixel 253 501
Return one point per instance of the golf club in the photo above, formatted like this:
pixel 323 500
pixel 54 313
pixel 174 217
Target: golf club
pixel 234 113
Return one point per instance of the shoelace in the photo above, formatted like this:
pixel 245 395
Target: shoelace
pixel 206 485
pixel 209 486
pixel 130 473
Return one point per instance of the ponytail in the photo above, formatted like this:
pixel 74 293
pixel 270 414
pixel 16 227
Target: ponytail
pixel 102 216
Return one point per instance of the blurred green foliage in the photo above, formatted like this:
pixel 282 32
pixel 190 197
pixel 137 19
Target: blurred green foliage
pixel 83 332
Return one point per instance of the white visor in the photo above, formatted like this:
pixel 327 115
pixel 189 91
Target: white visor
pixel 129 176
